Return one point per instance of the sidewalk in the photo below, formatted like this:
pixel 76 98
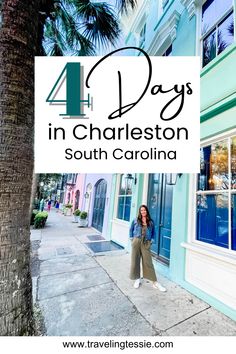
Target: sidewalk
pixel 83 294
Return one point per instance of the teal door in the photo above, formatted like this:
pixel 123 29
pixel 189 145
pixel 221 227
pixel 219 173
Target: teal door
pixel 99 204
pixel 160 207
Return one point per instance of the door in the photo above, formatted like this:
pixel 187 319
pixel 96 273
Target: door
pixel 160 197
pixel 77 195
pixel 99 204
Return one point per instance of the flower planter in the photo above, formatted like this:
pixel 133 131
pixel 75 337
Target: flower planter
pixel 76 218
pixel 68 212
pixel 83 222
pixel 76 215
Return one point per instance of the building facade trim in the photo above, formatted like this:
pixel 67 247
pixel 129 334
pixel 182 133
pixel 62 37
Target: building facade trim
pixel 220 107
pixel 228 51
pixel 191 6
pixel 140 18
pixel 218 273
pixel 165 34
pixel 217 254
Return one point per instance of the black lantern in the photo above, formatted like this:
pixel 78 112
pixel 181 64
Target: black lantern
pixel 171 178
pixel 130 178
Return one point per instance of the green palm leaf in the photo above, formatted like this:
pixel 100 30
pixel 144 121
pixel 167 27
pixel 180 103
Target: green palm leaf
pixel 55 43
pixel 99 22
pixel 75 27
pixel 76 42
pixel 124 5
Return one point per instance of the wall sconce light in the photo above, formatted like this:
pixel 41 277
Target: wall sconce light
pixel 130 177
pixel 86 196
pixel 171 178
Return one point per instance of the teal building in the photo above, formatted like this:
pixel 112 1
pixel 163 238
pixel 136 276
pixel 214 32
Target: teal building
pixel 195 215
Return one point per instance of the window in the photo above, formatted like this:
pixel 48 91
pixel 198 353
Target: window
pixel 216 195
pixel 125 196
pixel 74 178
pixel 168 52
pixel 217 28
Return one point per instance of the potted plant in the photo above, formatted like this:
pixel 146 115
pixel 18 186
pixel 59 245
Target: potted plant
pixel 83 221
pixel 40 219
pixel 34 213
pixel 68 209
pixel 76 215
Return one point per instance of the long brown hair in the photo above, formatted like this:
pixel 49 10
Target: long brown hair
pixel 148 217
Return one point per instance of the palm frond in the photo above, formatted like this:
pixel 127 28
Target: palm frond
pixel 100 22
pixel 231 28
pixel 80 25
pixel 55 42
pixel 82 46
pixel 74 42
pixel 125 5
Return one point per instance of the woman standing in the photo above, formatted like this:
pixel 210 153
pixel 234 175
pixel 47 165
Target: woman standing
pixel 57 206
pixel 142 233
pixel 49 205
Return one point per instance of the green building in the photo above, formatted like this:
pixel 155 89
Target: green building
pixel 195 215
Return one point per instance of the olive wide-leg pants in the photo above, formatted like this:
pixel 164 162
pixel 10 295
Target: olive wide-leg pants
pixel 141 250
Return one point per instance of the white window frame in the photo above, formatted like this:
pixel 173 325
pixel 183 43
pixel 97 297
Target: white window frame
pixel 117 198
pixel 192 202
pixel 200 37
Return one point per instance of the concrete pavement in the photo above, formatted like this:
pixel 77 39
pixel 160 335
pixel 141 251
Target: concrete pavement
pixel 85 294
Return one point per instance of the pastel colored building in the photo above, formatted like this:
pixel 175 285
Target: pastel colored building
pixel 74 188
pixel 90 193
pixel 195 217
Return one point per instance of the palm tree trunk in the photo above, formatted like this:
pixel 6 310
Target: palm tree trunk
pixel 18 46
pixel 33 191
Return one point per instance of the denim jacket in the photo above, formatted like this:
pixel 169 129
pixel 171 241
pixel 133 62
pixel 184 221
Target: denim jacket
pixel 136 230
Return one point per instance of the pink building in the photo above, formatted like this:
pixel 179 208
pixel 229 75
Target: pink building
pixel 74 190
pixel 90 193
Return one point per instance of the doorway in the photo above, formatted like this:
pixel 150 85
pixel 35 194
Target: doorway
pixel 99 204
pixel 160 196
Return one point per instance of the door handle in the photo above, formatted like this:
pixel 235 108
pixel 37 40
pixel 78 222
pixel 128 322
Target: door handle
pixel 161 225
